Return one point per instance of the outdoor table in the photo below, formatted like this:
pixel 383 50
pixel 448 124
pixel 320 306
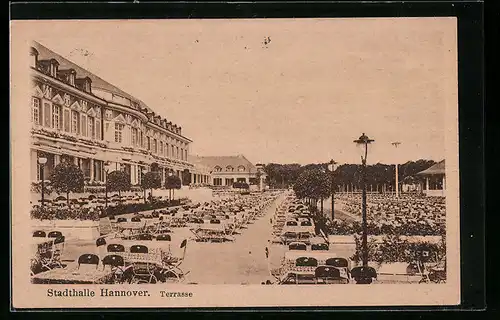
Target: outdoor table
pixel 131 225
pixel 152 258
pixel 73 275
pixel 153 245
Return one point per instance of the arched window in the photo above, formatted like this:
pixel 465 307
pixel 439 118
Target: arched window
pixel 229 168
pixel 241 168
pixel 218 169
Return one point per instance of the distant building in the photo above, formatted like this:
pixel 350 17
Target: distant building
pixel 226 170
pixel 435 180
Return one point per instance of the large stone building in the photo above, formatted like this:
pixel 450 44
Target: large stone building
pixel 77 116
pixel 225 170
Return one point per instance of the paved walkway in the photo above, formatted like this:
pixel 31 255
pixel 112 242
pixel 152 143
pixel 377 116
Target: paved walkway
pixel 242 261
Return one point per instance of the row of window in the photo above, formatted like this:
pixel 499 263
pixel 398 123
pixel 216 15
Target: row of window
pixel 229 169
pixel 56 117
pixel 153 145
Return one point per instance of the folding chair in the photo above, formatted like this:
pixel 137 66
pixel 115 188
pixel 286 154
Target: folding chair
pixel 324 274
pixel 172 265
pixel 117 265
pixel 135 219
pixel 144 272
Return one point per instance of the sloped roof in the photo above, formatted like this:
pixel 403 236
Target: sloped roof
pixel 45 53
pixel 224 161
pixel 438 168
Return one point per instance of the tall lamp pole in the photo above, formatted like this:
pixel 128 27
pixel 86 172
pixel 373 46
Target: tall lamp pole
pixel 144 171
pixel 42 161
pixel 366 272
pixel 107 167
pixel 331 167
pixel 396 144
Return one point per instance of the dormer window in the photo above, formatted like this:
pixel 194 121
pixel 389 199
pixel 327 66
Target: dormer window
pixel 34 57
pixel 72 77
pixel 67 76
pixel 84 84
pixel 54 65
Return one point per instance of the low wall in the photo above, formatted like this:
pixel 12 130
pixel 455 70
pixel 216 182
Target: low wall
pixel 71 229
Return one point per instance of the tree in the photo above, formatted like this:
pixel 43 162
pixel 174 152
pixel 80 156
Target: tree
pixel 118 181
pixel 151 180
pixel 67 177
pixel 313 184
pixel 171 183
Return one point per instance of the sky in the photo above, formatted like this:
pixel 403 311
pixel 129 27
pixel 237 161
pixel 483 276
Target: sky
pixel 301 98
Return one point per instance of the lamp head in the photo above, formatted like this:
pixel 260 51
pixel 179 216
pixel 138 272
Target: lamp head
pixel 107 166
pixel 332 165
pixel 42 160
pixel 362 144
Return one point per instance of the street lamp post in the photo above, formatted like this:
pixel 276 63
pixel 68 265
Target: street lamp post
pixel 144 171
pixel 396 144
pixel 42 161
pixel 170 173
pixel 331 167
pixel 365 274
pixel 107 167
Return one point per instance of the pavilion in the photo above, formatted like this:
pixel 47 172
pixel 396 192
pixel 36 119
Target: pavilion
pixel 435 180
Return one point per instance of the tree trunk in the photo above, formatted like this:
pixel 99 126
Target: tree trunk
pixel 322 206
pixel 67 198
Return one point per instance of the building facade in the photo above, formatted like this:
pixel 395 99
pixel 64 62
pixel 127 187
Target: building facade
pixel 226 170
pixel 77 116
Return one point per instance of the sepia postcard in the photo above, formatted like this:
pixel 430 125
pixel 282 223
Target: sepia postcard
pixel 234 163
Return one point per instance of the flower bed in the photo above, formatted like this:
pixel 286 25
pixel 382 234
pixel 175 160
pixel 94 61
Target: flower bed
pixel 395 248
pixel 137 207
pixel 58 213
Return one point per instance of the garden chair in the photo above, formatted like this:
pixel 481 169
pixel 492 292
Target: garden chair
pixel 135 219
pixel 54 234
pixel 100 241
pixel 297 246
pixel 116 247
pixel 172 265
pixel 116 264
pixel 320 247
pixel 138 248
pixel 144 272
pixel 363 275
pixel 88 259
pixel 121 219
pixel 325 274
pixel 39 234
pixel 145 237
